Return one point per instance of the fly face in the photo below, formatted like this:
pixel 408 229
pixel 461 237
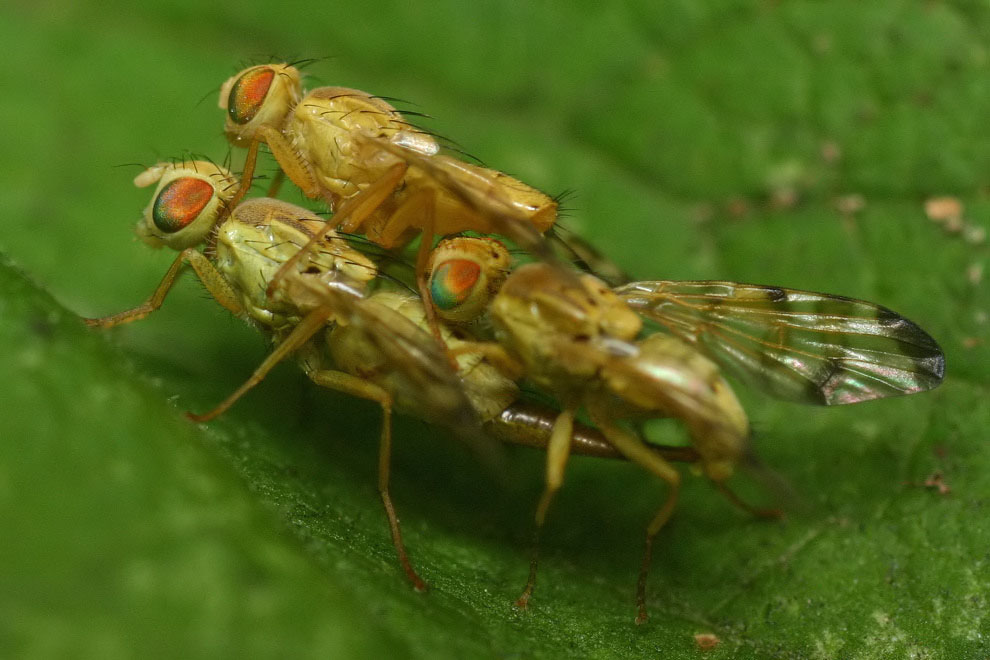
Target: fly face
pixel 190 196
pixel 464 275
pixel 259 96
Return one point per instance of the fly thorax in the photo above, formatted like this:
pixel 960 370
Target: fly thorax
pixel 614 318
pixel 249 271
pixel 327 146
pixel 327 121
pixel 550 322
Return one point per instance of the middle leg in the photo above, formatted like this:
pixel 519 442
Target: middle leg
pixel 348 384
pixel 639 452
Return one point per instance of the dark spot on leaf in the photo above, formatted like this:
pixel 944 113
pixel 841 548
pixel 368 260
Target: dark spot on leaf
pixel 41 327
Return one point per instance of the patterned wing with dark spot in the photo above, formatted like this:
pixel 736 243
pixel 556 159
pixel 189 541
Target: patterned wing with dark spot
pixel 795 345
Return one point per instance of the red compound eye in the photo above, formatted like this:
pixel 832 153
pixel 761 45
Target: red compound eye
pixel 180 202
pixel 248 94
pixel 452 282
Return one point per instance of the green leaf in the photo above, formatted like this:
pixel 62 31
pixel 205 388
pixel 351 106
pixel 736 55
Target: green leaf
pixel 703 140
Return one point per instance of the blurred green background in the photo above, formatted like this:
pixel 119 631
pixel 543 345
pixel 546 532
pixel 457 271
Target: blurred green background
pixel 790 142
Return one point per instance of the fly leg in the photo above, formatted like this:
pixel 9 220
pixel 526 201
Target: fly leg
pixel 558 451
pixel 211 278
pixel 637 451
pixel 417 211
pixel 348 384
pixel 306 328
pixel 478 191
pixel 289 160
pixel 350 216
pixel 771 514
pixel 277 180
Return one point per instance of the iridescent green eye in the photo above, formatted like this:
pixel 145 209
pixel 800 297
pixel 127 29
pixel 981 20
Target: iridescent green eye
pixel 180 202
pixel 453 282
pixel 248 94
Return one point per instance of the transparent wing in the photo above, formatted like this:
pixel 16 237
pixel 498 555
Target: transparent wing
pixel 417 370
pixel 795 345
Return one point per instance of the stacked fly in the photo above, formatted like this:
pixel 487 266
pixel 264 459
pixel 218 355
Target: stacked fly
pixel 470 326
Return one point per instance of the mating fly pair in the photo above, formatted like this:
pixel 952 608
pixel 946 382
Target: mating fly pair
pixel 346 326
pixel 642 350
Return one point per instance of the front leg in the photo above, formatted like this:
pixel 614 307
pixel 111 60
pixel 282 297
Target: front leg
pixel 290 162
pixel 417 211
pixel 215 283
pixel 558 451
pixel 293 164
